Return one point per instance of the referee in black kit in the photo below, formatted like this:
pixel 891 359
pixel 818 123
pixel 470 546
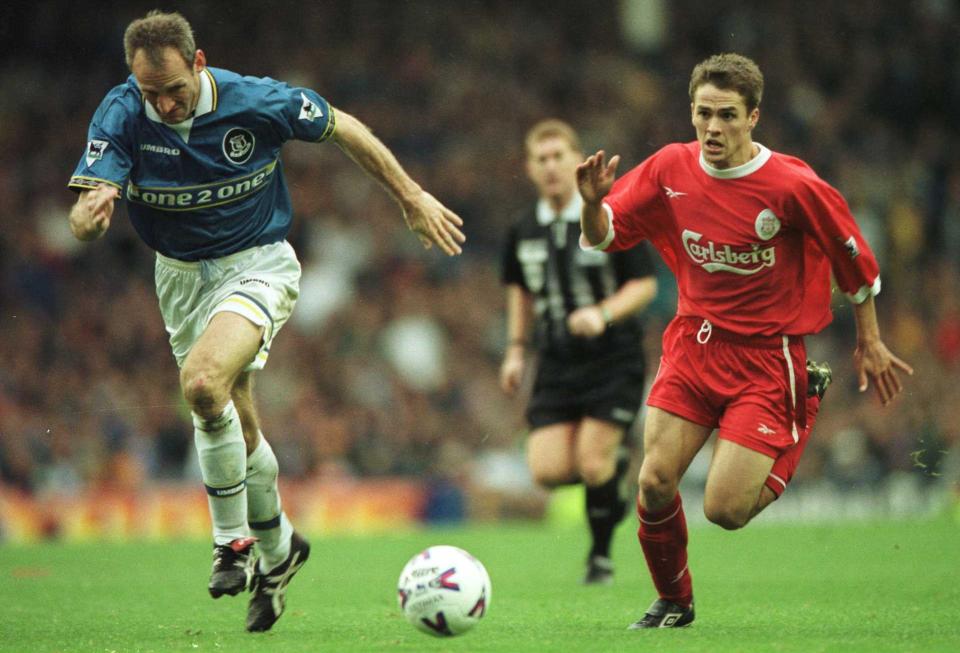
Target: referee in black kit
pixel 584 306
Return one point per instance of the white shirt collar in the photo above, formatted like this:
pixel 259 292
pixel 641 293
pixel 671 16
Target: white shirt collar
pixel 569 213
pixel 742 170
pixel 204 105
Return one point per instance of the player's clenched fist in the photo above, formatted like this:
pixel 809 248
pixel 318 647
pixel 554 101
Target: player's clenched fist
pixel 90 216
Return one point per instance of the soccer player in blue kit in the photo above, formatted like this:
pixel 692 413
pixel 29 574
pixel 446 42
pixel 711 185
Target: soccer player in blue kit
pixel 195 152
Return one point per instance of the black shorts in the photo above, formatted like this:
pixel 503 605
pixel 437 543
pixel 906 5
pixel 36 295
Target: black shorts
pixel 609 389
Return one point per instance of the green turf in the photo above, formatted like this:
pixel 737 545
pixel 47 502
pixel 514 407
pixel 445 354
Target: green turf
pixel 872 588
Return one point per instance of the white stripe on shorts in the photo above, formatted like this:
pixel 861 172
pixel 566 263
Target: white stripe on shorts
pixel 793 387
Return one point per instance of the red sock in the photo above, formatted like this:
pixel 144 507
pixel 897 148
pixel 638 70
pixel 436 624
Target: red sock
pixel 663 536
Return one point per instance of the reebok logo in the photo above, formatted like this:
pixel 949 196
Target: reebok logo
pixel 672 194
pixel 766 430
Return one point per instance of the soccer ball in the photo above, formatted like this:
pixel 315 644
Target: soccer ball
pixel 444 591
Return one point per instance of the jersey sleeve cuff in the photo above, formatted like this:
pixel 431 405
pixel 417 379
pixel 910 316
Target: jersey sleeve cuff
pixel 331 125
pixel 602 245
pixel 80 183
pixel 865 291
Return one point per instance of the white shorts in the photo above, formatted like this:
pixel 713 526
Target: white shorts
pixel 261 284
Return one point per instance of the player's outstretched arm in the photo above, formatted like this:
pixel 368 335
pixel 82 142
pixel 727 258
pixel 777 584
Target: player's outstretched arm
pixel 595 179
pixel 90 215
pixel 872 359
pixel 433 223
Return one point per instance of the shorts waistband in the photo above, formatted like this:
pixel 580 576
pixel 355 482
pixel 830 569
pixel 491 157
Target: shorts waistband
pixel 707 331
pixel 197 265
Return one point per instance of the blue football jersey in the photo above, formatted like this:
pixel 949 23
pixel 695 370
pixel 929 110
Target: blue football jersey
pixel 213 184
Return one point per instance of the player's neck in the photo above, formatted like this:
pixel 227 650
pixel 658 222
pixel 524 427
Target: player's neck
pixel 750 151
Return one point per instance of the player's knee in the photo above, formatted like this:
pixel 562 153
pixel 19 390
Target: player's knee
pixel 203 393
pixel 657 488
pixel 725 515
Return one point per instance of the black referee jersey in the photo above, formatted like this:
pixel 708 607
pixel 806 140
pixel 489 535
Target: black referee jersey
pixel 542 254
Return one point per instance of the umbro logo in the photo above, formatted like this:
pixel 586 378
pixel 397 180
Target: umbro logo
pixel 160 149
pixel 766 430
pixel 673 194
pixel 669 619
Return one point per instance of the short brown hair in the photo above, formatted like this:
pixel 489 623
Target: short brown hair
pixel 730 72
pixel 156 31
pixel 552 128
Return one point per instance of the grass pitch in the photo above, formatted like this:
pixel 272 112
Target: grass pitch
pixel 862 587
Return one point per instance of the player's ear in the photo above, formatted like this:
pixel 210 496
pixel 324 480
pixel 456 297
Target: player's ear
pixel 199 61
pixel 754 117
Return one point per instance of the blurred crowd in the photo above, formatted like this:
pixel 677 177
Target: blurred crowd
pixel 389 365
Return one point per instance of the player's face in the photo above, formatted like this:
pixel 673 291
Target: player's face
pixel 172 88
pixel 552 167
pixel 723 126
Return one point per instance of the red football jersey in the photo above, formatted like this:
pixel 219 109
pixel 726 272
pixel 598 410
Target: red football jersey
pixel 752 246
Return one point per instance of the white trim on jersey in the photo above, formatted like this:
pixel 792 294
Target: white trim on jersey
pixel 204 105
pixel 747 168
pixel 585 244
pixel 865 291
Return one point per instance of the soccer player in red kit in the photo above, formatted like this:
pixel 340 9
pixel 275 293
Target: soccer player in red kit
pixel 751 236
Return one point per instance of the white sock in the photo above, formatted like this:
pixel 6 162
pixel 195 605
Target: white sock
pixel 223 456
pixel 267 521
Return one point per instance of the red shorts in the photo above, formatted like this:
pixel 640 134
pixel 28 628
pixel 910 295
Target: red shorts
pixel 753 388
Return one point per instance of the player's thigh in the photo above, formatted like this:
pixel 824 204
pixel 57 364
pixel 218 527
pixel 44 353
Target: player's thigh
pixel 670 443
pixel 734 483
pixel 551 454
pixel 597 444
pixel 226 346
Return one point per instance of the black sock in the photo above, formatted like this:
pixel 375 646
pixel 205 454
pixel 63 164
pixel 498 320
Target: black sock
pixel 605 509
